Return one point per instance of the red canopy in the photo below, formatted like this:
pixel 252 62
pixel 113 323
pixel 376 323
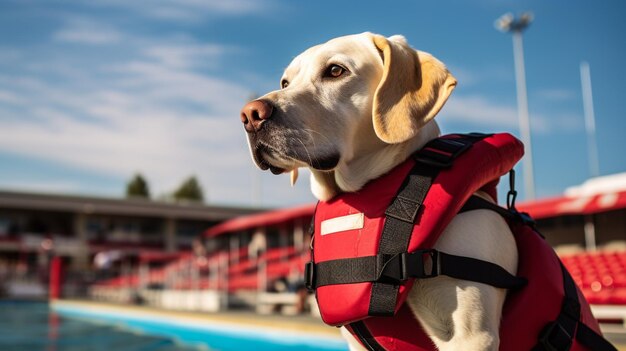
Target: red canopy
pixel 260 220
pixel 597 195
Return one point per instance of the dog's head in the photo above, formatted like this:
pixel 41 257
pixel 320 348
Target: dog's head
pixel 349 110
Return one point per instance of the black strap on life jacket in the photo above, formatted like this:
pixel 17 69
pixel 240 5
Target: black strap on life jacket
pixel 419 264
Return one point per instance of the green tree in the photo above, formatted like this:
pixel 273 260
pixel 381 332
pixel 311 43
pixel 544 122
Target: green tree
pixel 190 189
pixel 137 187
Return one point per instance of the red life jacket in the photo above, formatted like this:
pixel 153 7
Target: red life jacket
pixel 370 245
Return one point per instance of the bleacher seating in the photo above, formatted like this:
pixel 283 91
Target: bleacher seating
pixel 600 275
pixel 242 273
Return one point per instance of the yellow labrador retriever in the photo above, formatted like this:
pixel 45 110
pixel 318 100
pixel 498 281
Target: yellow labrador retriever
pixel 350 110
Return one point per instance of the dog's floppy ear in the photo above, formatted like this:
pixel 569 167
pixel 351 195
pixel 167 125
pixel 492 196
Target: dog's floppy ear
pixel 413 88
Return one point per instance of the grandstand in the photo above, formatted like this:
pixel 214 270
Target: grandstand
pixel 254 261
pixel 89 232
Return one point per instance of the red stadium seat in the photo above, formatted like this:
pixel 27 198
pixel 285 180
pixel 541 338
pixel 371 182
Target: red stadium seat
pixel 601 276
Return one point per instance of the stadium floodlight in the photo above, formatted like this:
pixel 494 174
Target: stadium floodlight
pixel 507 23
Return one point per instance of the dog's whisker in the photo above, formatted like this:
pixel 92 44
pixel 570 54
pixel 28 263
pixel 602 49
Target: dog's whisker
pixel 311 131
pixel 307 151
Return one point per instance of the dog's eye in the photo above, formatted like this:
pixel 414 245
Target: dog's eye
pixel 334 71
pixel 284 83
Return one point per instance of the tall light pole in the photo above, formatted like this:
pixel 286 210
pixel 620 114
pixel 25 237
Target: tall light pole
pixel 590 123
pixel 592 148
pixel 509 24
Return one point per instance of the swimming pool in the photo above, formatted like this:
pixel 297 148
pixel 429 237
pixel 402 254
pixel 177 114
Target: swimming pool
pixel 30 326
pixel 33 326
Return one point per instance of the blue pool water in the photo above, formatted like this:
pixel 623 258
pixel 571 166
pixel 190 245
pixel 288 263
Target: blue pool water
pixel 29 326
pixel 33 327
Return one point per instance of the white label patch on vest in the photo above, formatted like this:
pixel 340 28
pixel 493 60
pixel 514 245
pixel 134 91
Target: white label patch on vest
pixel 340 224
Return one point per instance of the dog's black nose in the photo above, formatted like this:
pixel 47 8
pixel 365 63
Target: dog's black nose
pixel 254 113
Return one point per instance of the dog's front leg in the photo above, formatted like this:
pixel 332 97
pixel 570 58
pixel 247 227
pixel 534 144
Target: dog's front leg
pixel 458 315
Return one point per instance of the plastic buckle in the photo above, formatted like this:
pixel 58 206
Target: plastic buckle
pixel 441 153
pixel 309 276
pixel 417 260
pixel 400 267
pixel 554 337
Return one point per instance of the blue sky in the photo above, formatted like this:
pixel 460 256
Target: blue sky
pixel 93 91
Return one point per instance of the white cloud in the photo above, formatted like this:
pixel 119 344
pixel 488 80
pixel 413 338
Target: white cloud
pixel 160 82
pixel 187 10
pixel 184 56
pixel 8 97
pixel 87 31
pixel 482 112
pixel 86 37
pixel 564 122
pixel 487 75
pixel 555 94
pixel 464 76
